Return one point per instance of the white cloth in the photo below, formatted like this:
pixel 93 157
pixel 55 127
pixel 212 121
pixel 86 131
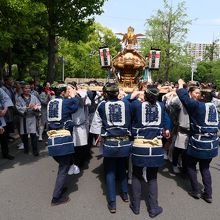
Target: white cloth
pixel 96 125
pixel 80 135
pixel 181 139
pixel 5 102
pixel 44 99
pixel 81 121
pixel 30 121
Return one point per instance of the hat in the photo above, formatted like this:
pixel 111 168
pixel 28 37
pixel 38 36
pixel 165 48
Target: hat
pixel 61 85
pixel 152 91
pixel 193 83
pixel 110 87
pixel 206 88
pixel 24 83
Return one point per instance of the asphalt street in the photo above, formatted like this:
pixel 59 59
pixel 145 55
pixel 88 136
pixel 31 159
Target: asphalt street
pixel 26 186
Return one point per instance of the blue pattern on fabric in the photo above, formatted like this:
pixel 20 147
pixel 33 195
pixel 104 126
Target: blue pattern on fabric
pixel 212 115
pixel 53 109
pixel 115 113
pixel 152 113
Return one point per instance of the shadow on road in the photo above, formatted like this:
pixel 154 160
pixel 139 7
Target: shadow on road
pixel 181 179
pixel 21 158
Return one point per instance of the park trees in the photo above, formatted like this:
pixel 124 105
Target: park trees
pixel 25 24
pixel 208 71
pixel 166 30
pixel 211 50
pixel 82 58
pixel 21 35
pixel 69 19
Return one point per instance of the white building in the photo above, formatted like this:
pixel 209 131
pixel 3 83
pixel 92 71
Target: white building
pixel 198 50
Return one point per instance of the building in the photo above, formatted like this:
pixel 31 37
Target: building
pixel 198 50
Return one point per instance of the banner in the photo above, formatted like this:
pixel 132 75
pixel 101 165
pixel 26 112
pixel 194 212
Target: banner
pixel 154 59
pixel 105 58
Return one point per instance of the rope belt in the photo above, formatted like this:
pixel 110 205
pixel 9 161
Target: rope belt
pixel 55 133
pixel 205 135
pixel 184 130
pixel 118 138
pixel 147 142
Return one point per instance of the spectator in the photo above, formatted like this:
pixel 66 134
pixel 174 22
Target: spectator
pixel 28 107
pixel 5 103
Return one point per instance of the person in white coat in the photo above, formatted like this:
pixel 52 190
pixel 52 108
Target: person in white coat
pixel 81 126
pixel 5 102
pixel 29 108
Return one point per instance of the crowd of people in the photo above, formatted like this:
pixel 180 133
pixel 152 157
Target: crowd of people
pixel 135 132
pixel 23 110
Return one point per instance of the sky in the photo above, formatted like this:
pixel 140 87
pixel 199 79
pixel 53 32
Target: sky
pixel 120 14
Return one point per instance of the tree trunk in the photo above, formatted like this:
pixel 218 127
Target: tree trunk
pixel 51 56
pixel 51 40
pixel 9 62
pixel 1 71
pixel 167 65
pixel 21 71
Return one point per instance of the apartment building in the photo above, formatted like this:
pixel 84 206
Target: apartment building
pixel 198 50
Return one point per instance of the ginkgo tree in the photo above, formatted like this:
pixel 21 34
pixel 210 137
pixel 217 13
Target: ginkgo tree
pixel 167 30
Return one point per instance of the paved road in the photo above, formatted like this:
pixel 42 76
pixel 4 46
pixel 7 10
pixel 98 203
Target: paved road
pixel 26 185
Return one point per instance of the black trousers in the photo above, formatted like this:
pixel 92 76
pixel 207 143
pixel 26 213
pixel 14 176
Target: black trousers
pixel 34 144
pixel 80 155
pixel 137 178
pixel 176 152
pixel 64 164
pixel 4 144
pixel 205 173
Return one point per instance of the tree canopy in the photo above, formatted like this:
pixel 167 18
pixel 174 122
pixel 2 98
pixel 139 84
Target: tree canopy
pixel 35 34
pixel 30 28
pixel 82 58
pixel 166 30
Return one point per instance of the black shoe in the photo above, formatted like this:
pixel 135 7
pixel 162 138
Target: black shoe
pixel 195 195
pixel 10 138
pixel 9 157
pixel 155 212
pixel 124 197
pixel 112 207
pixel 64 190
pixel 60 201
pixel 136 212
pixel 36 154
pixel 207 198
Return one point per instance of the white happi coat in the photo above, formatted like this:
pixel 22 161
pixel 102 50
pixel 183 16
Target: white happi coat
pixel 44 99
pixel 181 138
pixel 217 104
pixel 5 102
pixel 81 121
pixel 30 120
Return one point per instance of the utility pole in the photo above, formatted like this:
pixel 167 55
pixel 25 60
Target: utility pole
pixel 193 69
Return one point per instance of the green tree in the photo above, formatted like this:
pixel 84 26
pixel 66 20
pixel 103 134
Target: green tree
pixel 208 71
pixel 82 58
pixel 216 73
pixel 69 19
pixel 167 30
pixel 211 50
pixel 22 37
